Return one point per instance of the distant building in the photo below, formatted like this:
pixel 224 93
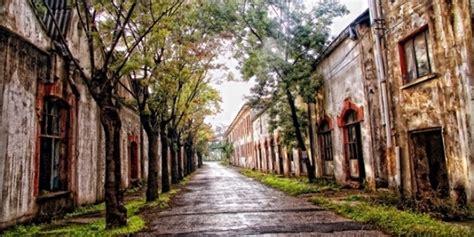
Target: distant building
pixel 239 133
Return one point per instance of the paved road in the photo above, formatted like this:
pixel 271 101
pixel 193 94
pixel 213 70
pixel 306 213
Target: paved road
pixel 220 201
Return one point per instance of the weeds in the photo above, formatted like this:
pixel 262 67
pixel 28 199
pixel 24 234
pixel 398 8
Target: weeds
pixel 379 209
pixel 293 187
pixel 86 210
pixel 392 220
pixel 96 227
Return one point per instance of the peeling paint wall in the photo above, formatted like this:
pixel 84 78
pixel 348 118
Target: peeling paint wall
pixel 18 123
pixel 30 70
pixel 26 26
pixel 90 151
pixel 441 100
pixel 348 71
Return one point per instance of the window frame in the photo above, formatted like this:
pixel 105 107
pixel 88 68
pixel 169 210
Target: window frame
pixel 424 30
pixel 352 146
pixel 57 160
pixel 325 141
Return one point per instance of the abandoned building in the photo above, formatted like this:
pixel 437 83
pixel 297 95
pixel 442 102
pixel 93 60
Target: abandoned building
pixel 349 144
pixel 396 107
pixel 428 49
pixel 51 140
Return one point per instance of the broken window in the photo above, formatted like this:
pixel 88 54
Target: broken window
pixel 325 141
pixel 430 163
pixel 415 51
pixel 53 146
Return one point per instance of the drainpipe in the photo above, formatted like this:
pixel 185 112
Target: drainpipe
pixel 377 21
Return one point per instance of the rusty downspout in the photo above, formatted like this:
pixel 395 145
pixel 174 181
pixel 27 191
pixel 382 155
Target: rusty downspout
pixel 377 21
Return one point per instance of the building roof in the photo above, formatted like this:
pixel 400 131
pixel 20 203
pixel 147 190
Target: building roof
pixel 348 32
pixel 242 110
pixel 60 13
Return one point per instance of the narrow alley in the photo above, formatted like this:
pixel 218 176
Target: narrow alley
pixel 220 201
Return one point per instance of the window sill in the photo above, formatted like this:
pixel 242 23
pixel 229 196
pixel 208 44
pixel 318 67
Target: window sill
pixel 419 81
pixel 53 195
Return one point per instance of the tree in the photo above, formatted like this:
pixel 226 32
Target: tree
pixel 113 30
pixel 169 72
pixel 280 42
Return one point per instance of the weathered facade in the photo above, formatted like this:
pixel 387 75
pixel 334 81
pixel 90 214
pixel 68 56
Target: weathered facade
pixel 348 129
pixel 51 139
pixel 397 104
pixel 429 48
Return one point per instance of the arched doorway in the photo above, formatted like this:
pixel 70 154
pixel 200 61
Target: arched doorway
pixel 350 120
pixel 353 146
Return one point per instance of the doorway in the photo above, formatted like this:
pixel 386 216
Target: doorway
pixel 428 156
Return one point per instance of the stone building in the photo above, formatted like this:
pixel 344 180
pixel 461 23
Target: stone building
pixel 240 134
pixel 349 144
pixel 51 139
pixel 397 105
pixel 428 49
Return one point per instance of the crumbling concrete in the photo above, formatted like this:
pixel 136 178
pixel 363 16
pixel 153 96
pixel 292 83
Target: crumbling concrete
pixel 440 101
pixel 31 71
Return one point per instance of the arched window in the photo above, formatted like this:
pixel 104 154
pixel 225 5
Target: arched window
pixel 353 136
pixel 325 141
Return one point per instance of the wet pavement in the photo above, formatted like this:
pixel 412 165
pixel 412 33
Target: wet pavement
pixel 220 201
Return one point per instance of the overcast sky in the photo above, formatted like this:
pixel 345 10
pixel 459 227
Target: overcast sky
pixel 233 93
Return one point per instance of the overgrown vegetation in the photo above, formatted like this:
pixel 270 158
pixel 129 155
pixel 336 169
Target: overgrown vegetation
pixel 69 226
pixel 392 220
pixel 385 210
pixel 293 187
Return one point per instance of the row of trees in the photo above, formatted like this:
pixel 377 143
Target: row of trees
pixel 161 52
pixel 165 50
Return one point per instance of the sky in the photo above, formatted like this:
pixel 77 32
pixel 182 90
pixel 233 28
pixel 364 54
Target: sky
pixel 233 92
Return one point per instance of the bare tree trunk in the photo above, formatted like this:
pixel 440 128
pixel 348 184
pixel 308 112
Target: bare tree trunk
pixel 152 182
pixel 199 155
pixel 299 136
pixel 165 187
pixel 152 185
pixel 102 90
pixel 180 161
pixel 185 162
pixel 116 214
pixel 174 163
pixel 188 149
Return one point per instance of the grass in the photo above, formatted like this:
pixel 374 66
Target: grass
pixel 293 187
pixel 362 208
pixel 392 220
pixel 95 228
pixel 85 210
pixel 135 222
